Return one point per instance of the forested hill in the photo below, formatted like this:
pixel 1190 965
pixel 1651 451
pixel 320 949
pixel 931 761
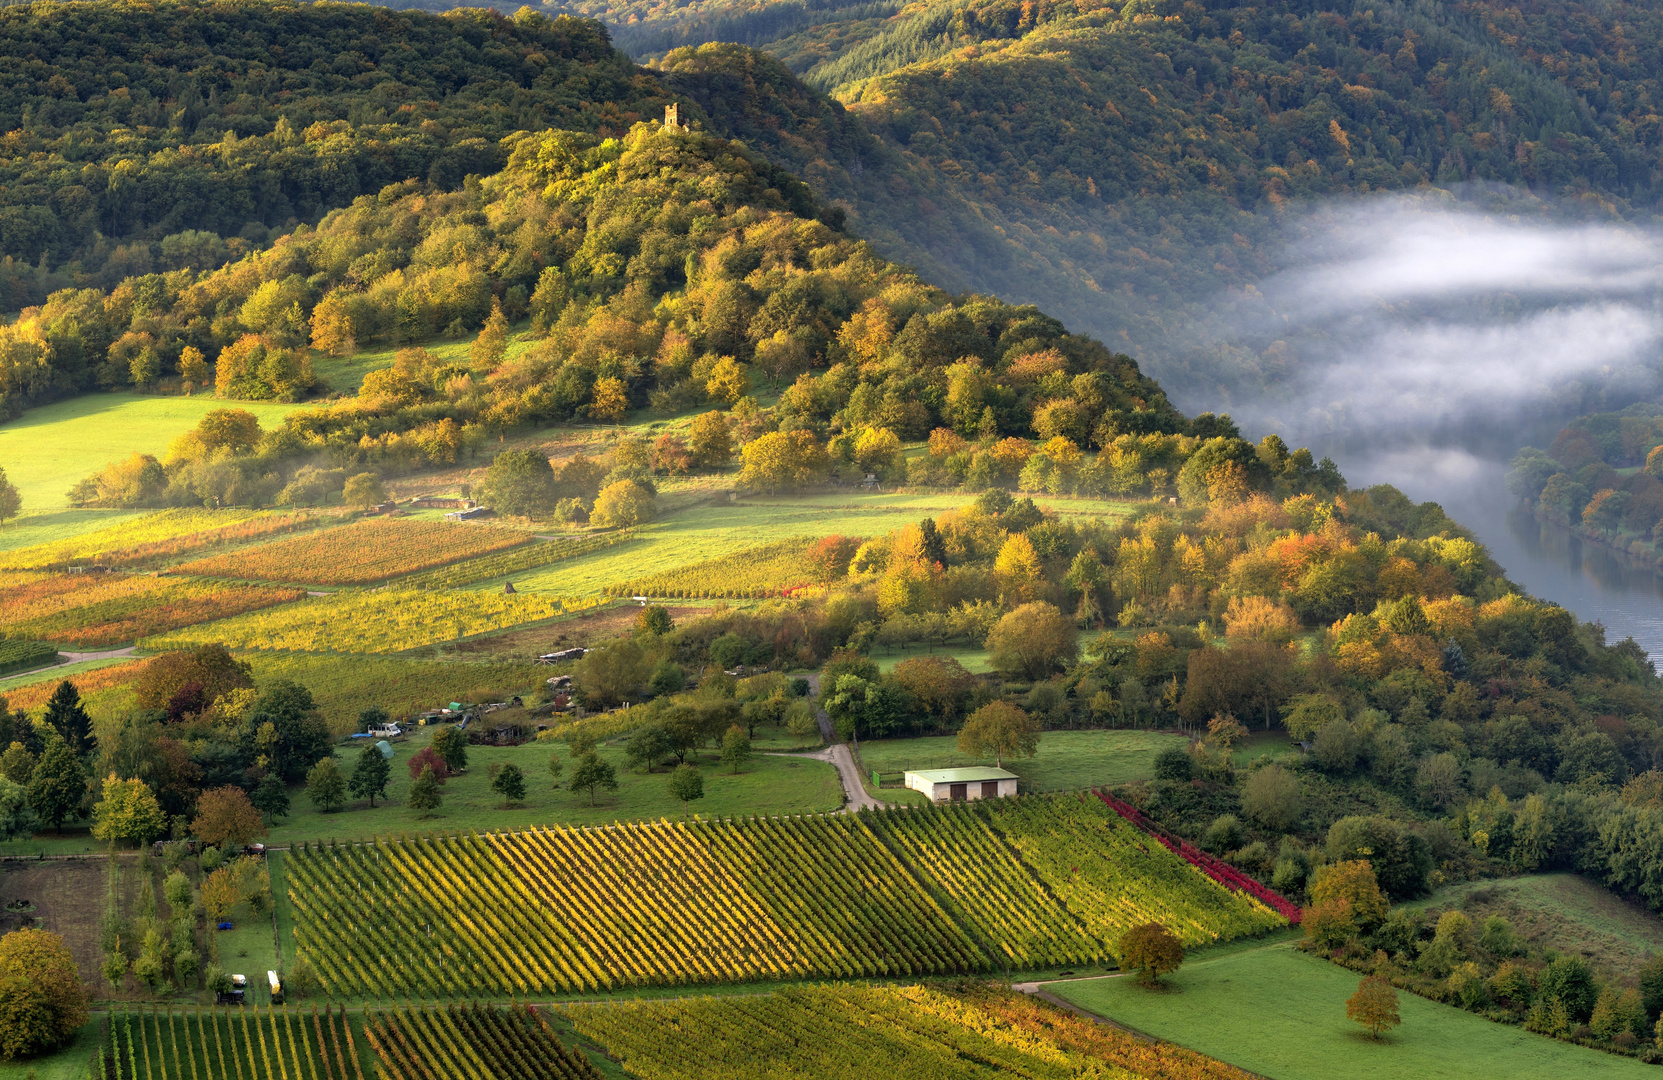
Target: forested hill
pixel 1134 159
pixel 155 136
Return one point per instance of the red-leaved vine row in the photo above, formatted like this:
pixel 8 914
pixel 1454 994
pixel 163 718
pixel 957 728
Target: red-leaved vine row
pixel 1217 869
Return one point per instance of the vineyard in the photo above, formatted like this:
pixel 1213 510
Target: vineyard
pixel 153 537
pixel 775 569
pixel 514 561
pixel 100 610
pixel 247 1043
pixel 477 1043
pixel 362 553
pixel 384 621
pixel 21 654
pixel 37 694
pixel 1030 883
pixel 875 1033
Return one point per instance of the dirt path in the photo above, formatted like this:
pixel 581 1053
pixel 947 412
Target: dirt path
pixel 78 657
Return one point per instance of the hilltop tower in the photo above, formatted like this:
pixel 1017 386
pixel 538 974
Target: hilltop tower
pixel 672 117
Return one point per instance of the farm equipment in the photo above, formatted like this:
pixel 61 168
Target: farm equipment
pixel 235 995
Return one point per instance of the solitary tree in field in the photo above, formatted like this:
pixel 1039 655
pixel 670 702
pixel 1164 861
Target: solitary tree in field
pixel 736 747
pixel 1374 1005
pixel 363 489
pixel 510 784
pixel 999 729
pixel 591 772
pixel 225 816
pixel 686 784
pixel 325 785
pixel 424 793
pixel 1152 951
pixel 370 774
pixel 555 765
pixel 10 501
pixel 654 620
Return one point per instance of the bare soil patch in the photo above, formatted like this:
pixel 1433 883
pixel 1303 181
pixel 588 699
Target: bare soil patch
pixel 67 898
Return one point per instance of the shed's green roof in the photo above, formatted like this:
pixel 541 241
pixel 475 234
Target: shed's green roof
pixel 961 776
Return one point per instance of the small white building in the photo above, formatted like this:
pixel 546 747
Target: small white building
pixel 959 785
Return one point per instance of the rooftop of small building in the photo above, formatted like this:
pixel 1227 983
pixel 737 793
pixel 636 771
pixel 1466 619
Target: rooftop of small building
pixel 961 776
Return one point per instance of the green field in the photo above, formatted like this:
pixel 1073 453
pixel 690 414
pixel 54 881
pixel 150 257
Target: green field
pixel 46 450
pixel 1280 1013
pixel 53 525
pixel 712 529
pixel 70 1063
pixel 1067 760
pixel 974 660
pixel 1566 913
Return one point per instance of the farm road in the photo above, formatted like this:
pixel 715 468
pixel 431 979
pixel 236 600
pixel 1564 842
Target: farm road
pixel 838 754
pixel 78 657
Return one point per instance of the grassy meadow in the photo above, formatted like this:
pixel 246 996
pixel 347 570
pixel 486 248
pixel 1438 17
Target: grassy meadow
pixel 48 449
pixel 1280 1013
pixel 1067 760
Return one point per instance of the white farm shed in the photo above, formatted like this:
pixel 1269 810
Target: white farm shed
pixel 958 785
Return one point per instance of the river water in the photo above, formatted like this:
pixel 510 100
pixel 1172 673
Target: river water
pixel 1598 583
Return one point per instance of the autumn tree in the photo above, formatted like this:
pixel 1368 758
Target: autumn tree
pixel 1033 641
pixel 1374 1005
pixel 784 459
pixel 999 729
pixel 729 380
pixel 127 813
pixel 1271 797
pixel 623 504
pixel 520 482
pixel 711 441
pixel 736 747
pixel 489 348
pixel 1152 951
pixel 363 489
pixel 654 619
pixel 220 893
pixel 42 1001
pixel 1352 881
pixel 611 399
pixel 225 817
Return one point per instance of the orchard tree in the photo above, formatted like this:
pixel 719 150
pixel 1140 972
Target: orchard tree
pixel 127 813
pixel 1152 951
pixel 687 784
pixel 510 784
pixel 42 1001
pixel 999 729
pixel 555 766
pixel 424 793
pixel 623 504
pixel 225 817
pixel 590 773
pixel 370 774
pixel 220 893
pixel 429 759
pixel 325 785
pixel 736 747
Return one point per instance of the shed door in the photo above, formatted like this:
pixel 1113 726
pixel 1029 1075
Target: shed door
pixel 958 792
pixel 990 789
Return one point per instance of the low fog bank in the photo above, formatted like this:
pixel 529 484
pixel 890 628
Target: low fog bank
pixel 1405 322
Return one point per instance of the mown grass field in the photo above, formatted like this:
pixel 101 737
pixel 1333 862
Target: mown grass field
pixel 50 526
pixel 1277 1012
pixel 46 450
pixel 1067 760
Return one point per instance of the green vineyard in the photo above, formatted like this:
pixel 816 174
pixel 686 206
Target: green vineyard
pixel 932 891
pixel 431 1043
pixel 513 561
pixel 231 1044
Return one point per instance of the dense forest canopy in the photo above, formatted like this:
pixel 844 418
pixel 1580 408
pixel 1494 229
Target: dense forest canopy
pixel 163 136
